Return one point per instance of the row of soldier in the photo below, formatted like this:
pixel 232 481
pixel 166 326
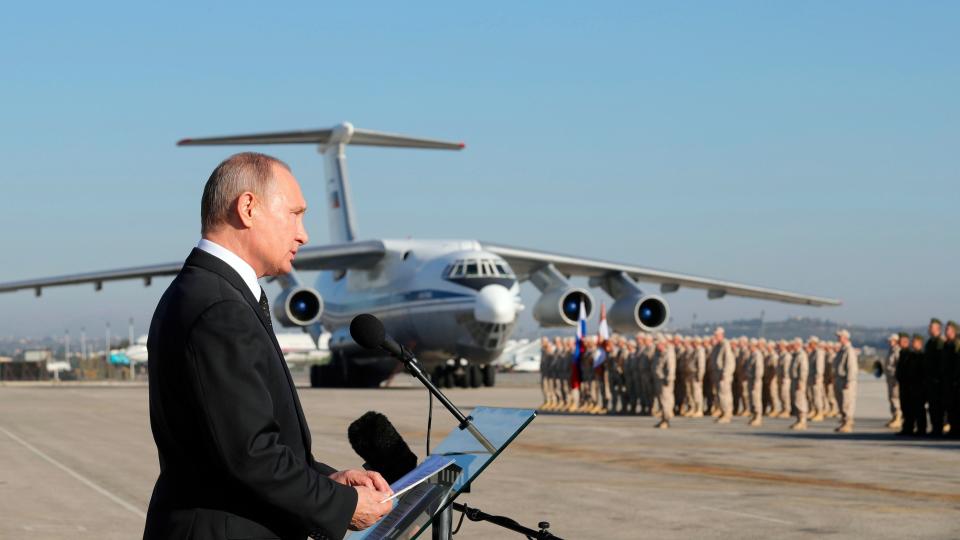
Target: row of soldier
pixel 923 381
pixel 666 375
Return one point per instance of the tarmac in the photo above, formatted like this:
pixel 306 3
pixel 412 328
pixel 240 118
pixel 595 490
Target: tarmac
pixel 77 461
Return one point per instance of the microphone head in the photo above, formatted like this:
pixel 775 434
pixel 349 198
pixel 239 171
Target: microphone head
pixel 375 439
pixel 367 331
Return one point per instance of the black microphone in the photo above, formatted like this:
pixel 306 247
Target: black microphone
pixel 375 439
pixel 369 333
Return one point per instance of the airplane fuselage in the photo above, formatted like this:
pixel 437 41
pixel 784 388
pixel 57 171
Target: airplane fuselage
pixel 441 299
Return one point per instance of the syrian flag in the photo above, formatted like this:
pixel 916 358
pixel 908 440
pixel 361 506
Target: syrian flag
pixel 578 349
pixel 603 336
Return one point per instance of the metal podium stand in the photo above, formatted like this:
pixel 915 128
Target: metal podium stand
pixel 429 503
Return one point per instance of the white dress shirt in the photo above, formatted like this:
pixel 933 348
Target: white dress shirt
pixel 241 266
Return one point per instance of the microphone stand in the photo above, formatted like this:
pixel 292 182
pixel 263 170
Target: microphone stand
pixel 413 366
pixel 443 522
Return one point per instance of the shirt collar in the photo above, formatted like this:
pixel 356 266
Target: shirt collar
pixel 242 267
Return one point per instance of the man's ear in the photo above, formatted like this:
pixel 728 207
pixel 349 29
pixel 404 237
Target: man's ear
pixel 247 205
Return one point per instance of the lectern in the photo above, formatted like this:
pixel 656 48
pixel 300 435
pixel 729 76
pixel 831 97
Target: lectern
pixel 430 502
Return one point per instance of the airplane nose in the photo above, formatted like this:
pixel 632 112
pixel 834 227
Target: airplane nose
pixel 495 304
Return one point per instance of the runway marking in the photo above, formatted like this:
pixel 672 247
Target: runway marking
pixel 83 479
pixel 744 514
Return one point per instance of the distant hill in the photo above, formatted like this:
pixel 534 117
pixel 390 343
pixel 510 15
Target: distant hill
pixel 803 327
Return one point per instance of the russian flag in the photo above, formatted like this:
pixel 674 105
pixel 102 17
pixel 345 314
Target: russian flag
pixel 603 336
pixel 579 349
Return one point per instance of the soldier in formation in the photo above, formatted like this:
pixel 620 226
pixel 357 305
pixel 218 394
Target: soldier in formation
pixel 667 376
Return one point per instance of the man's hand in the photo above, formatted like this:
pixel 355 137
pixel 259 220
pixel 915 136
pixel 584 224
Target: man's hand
pixel 356 477
pixel 369 508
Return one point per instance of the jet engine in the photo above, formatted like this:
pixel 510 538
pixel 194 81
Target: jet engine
pixel 561 306
pixel 638 312
pixel 298 306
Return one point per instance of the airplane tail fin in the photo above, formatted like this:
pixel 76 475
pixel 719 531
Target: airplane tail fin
pixel 332 143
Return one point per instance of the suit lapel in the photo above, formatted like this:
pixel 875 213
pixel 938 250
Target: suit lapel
pixel 201 258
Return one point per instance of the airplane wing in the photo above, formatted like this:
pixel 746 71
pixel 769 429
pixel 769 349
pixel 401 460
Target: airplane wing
pixel 332 257
pixel 527 261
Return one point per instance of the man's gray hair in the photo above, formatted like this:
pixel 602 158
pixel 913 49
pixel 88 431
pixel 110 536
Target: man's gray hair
pixel 246 171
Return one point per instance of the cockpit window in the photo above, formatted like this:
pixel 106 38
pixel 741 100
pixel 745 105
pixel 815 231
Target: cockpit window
pixel 478 268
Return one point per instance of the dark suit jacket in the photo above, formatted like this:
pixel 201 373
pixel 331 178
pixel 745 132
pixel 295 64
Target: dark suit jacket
pixel 235 459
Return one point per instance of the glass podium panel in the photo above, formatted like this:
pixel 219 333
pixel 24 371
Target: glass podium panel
pixel 416 509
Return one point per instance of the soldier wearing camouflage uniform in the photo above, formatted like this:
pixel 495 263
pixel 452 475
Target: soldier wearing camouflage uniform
pixel 724 362
pixel 664 372
pixel 845 369
pixel 799 374
pixel 893 387
pixel 754 369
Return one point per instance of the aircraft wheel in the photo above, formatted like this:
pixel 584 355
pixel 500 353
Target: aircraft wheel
pixel 324 376
pixel 436 376
pixel 489 375
pixel 449 377
pixel 474 376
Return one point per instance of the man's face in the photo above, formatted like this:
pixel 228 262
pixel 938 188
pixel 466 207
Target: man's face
pixel 951 333
pixel 934 329
pixel 904 342
pixel 918 344
pixel 279 231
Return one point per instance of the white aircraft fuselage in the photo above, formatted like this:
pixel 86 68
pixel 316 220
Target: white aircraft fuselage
pixel 441 299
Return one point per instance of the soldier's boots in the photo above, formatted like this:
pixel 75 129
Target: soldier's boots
pixel 724 419
pixel 817 417
pixel 895 423
pixel 696 414
pixel 663 425
pixel 799 425
pixel 846 427
pixel 756 421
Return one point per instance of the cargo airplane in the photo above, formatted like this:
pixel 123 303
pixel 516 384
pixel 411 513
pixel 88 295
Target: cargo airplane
pixel 454 303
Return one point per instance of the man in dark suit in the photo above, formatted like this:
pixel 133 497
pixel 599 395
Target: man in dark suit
pixel 234 447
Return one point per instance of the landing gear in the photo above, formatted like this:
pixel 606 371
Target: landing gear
pixel 474 376
pixel 489 376
pixel 342 372
pixel 460 374
pixel 333 374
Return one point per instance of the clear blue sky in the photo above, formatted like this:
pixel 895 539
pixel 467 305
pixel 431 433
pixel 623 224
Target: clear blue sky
pixel 806 146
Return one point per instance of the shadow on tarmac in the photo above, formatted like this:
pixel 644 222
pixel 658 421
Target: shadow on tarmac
pixel 890 439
